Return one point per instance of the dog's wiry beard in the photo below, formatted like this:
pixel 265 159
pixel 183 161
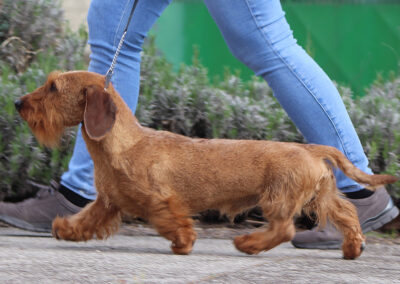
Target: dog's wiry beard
pixel 47 128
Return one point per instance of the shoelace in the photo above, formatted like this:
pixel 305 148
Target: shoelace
pixel 44 192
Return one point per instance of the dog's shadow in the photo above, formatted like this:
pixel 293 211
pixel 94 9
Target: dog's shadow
pixel 149 250
pixel 196 252
pixel 114 249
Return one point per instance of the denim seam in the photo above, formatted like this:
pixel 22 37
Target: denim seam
pixel 297 76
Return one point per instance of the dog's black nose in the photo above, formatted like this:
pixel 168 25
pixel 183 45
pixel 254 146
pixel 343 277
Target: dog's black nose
pixel 18 104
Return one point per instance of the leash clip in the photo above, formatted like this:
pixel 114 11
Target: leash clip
pixel 108 79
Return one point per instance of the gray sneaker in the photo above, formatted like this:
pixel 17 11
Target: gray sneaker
pixel 37 214
pixel 373 212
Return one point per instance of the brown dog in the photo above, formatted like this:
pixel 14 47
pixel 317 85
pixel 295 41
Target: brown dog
pixel 164 177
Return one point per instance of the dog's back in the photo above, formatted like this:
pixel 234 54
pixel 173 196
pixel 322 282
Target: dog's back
pixel 228 175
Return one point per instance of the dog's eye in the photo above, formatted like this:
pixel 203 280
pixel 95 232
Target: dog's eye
pixel 53 87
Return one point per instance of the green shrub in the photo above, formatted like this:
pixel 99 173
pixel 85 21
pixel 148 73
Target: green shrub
pixel 29 28
pixel 376 117
pixel 33 43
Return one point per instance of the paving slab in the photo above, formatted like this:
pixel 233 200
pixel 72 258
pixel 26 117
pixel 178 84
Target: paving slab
pixel 27 257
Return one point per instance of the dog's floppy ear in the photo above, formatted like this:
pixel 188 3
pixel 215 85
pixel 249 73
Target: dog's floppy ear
pixel 100 111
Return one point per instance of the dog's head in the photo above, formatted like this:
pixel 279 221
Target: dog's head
pixel 67 99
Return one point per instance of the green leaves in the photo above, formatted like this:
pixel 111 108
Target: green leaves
pixel 34 29
pixel 33 42
pixel 376 117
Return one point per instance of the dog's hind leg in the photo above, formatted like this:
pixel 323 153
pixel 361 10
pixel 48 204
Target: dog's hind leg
pixel 98 219
pixel 343 215
pixel 280 229
pixel 173 222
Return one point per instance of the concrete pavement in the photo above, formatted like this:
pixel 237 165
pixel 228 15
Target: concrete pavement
pixel 37 258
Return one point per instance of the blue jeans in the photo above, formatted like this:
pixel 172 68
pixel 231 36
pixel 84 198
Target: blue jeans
pixel 257 33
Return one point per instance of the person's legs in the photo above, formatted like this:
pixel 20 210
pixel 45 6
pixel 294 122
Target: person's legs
pixel 257 33
pixel 106 21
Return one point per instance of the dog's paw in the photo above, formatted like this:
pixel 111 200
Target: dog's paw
pixel 353 248
pixel 184 241
pixel 181 250
pixel 247 244
pixel 63 229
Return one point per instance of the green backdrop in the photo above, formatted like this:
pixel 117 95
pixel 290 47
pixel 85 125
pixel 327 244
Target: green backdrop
pixel 353 41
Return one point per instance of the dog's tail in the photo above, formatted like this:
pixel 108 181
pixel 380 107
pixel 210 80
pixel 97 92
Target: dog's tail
pixel 337 159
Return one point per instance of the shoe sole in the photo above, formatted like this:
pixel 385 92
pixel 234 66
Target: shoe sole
pixel 387 215
pixel 42 228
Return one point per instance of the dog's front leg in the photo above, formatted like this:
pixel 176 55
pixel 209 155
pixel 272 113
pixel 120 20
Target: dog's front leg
pixel 98 219
pixel 172 221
